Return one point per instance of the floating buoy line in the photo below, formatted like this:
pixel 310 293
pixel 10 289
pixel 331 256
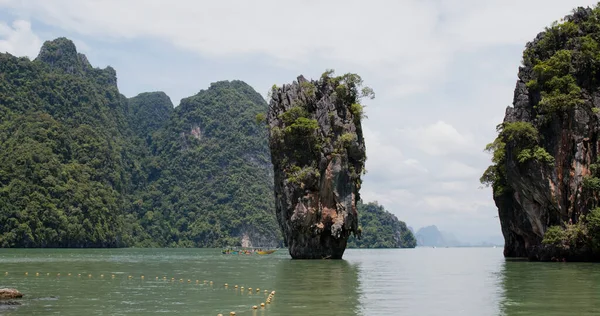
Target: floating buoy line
pixel 269 297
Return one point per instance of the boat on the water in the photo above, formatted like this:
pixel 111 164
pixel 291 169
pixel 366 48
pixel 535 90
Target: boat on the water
pixel 236 251
pixel 266 252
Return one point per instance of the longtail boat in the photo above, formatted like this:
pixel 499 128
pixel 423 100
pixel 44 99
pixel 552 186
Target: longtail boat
pixel 266 252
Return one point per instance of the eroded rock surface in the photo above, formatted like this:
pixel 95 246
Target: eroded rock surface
pixel 318 155
pixel 548 145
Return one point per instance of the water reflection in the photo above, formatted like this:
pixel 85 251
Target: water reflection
pixel 549 289
pixel 316 287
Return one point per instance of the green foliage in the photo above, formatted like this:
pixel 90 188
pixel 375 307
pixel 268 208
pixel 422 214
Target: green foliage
pixel 524 138
pixel 65 154
pixel 522 133
pixel 212 190
pixel 537 153
pixel 261 118
pixel 591 183
pixel 303 176
pixel 573 236
pixel 297 140
pixel 554 78
pixel 290 116
pixel 347 138
pixel 357 111
pixel 381 229
pixel 82 166
pixel 584 233
pixel 148 112
pixel 593 228
pixel 555 235
pixel 349 90
pixel 308 88
pixel 299 132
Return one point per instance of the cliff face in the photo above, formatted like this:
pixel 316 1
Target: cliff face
pixel 318 155
pixel 544 173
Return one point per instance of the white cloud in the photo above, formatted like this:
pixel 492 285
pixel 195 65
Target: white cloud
pixel 437 139
pixel 443 71
pixel 19 39
pixel 454 170
pixel 480 23
pixel 386 162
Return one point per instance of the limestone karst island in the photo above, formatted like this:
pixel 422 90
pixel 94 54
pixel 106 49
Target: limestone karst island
pixel 546 163
pixel 300 158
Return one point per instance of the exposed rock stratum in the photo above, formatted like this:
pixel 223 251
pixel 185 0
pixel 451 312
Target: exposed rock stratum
pixel 545 173
pixel 318 155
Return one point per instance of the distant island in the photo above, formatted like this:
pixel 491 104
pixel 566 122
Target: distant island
pixel 431 236
pixel 81 165
pixel 381 229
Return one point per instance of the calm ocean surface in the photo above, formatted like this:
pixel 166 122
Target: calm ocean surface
pixel 421 281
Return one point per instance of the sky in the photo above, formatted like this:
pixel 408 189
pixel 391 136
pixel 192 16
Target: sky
pixel 443 71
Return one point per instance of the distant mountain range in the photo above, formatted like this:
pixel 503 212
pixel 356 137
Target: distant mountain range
pixel 431 236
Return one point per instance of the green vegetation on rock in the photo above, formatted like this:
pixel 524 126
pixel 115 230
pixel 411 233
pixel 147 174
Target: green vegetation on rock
pixel 83 166
pixel 525 142
pixel 213 177
pixel 547 208
pixel 381 229
pixel 572 239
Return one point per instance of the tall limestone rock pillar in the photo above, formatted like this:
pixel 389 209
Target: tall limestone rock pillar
pixel 318 155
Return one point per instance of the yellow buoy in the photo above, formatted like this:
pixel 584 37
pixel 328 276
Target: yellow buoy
pixel 101 275
pixel 262 304
pixel 219 314
pixel 130 277
pixel 232 313
pixel 58 274
pixel 164 278
pixel 26 273
pixel 226 285
pixel 78 274
pixel 254 307
pixel 189 280
pixel 236 286
pixel 242 288
pixel 37 274
pixel 211 282
pixel 5 273
pixel 250 289
pixel 273 292
pixel 257 290
pixel 69 274
pixel 89 275
pixel 48 273
pixel 266 291
pixel 197 281
pixel 142 277
pixel 112 276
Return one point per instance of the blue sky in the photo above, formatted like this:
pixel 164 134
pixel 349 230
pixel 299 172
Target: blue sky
pixel 443 73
